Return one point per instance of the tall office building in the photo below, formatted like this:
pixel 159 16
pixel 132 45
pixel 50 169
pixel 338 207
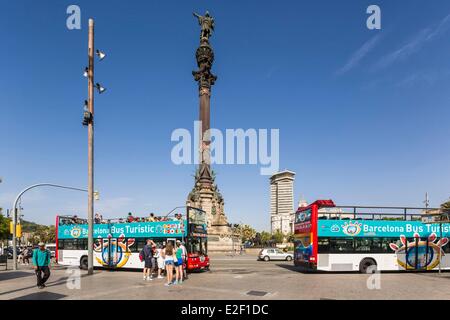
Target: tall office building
pixel 282 201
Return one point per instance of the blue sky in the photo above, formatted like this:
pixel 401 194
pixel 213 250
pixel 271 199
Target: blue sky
pixel 362 113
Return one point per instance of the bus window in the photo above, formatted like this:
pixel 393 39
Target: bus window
pixel 363 244
pixel 378 245
pixel 196 216
pixel 82 244
pixel 68 245
pixel 341 245
pixel 139 245
pixel 197 246
pixel 323 245
pixel 194 246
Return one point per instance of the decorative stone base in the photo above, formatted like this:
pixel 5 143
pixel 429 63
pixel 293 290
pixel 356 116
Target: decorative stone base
pixel 208 198
pixel 217 243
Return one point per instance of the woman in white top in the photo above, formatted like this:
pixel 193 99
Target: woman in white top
pixel 160 261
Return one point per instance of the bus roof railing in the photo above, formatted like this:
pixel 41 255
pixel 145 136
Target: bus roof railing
pixel 380 213
pixel 378 207
pixel 118 220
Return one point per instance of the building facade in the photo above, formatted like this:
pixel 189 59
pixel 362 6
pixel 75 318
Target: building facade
pixel 282 202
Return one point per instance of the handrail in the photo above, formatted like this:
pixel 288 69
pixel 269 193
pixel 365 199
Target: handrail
pixel 375 207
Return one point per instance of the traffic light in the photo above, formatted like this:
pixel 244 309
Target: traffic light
pixel 87 118
pixel 87 115
pixel 18 229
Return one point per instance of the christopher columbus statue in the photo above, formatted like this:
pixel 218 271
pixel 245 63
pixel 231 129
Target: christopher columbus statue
pixel 207 24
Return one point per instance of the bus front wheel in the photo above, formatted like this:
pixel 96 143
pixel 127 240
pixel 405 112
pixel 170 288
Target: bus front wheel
pixel 84 263
pixel 367 265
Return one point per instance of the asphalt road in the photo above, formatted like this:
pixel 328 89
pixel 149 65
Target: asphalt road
pixel 240 277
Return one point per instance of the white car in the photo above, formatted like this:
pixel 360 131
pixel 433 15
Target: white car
pixel 52 248
pixel 274 254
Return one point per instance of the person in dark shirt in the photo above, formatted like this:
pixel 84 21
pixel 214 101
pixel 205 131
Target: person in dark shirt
pixel 147 253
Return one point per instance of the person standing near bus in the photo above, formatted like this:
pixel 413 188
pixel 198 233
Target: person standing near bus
pixel 41 264
pixel 160 261
pixel 154 262
pixel 168 254
pixel 184 258
pixel 178 264
pixel 147 253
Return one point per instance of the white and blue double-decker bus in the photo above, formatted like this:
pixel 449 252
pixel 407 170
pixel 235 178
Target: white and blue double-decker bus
pixel 338 238
pixel 117 244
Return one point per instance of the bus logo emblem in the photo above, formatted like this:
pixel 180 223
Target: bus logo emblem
pixel 335 228
pixel 351 228
pixel 75 232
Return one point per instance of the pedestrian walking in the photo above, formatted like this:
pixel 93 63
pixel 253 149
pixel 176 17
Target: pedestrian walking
pixel 20 257
pixel 147 255
pixel 41 264
pixel 26 256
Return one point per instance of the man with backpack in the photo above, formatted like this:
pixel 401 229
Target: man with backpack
pixel 146 255
pixel 41 262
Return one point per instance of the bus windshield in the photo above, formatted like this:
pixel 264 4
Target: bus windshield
pixel 198 246
pixel 196 216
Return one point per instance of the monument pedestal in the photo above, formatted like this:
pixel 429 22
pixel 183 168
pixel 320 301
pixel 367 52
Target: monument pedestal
pixel 209 199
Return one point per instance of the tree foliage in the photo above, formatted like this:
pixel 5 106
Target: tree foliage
pixel 278 237
pixel 246 232
pixel 446 205
pixel 290 237
pixel 265 237
pixel 4 226
pixel 46 234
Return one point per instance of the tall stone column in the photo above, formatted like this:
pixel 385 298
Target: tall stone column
pixel 205 194
pixel 205 79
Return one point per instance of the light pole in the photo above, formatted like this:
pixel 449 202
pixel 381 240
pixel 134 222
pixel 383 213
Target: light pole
pixel 91 148
pixel 16 201
pixel 88 120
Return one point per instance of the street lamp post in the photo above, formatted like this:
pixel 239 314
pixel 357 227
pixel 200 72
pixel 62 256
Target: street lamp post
pixel 91 148
pixel 16 201
pixel 89 122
